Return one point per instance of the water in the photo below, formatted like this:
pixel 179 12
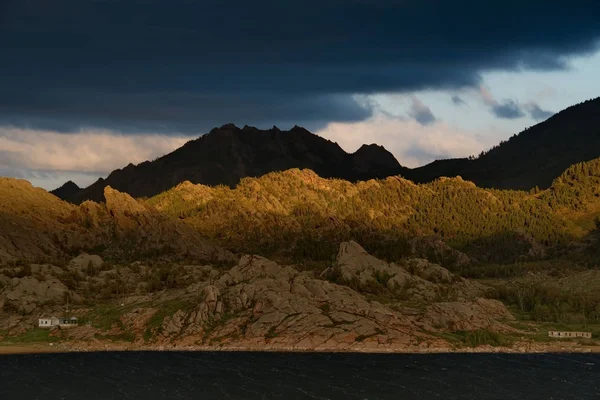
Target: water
pixel 220 375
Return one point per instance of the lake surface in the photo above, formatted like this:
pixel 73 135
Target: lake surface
pixel 221 375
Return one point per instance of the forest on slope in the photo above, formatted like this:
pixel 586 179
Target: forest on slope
pixel 296 214
pixel 531 158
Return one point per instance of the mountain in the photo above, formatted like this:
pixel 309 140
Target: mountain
pixel 532 158
pixel 227 154
pixel 67 191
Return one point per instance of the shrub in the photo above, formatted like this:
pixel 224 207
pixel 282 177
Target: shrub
pixel 479 338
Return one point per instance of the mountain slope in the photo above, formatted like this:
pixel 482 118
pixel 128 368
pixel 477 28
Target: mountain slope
pixel 304 215
pixel 532 158
pixel 227 154
pixel 37 226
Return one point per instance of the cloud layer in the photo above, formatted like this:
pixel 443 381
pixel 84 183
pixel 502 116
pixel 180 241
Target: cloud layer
pixel 510 109
pixel 83 157
pixel 185 66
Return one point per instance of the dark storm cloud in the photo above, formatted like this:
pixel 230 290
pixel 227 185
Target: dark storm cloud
pixel 421 113
pixel 181 112
pixel 537 113
pixel 507 110
pixel 186 65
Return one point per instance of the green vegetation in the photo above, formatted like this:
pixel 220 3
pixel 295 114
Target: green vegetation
pixel 214 323
pixel 298 216
pixel 476 338
pixel 34 335
pixel 107 316
pixel 271 333
pixel 121 337
pixel 166 309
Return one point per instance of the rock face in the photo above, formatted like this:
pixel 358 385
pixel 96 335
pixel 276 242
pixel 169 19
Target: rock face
pixel 84 260
pixel 24 295
pixel 437 250
pixel 417 280
pixel 260 304
pixel 149 230
pixel 468 316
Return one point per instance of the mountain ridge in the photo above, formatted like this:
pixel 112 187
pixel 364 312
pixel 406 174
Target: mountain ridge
pixel 225 155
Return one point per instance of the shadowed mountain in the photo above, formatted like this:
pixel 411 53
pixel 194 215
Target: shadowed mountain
pixel 532 158
pixel 227 154
pixel 67 191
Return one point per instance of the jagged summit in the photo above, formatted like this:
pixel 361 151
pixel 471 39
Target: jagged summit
pixel 229 153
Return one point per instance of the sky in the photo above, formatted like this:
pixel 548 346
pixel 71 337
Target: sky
pixel 88 87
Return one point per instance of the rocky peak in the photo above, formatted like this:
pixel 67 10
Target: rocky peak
pixel 121 203
pixel 372 156
pixel 67 186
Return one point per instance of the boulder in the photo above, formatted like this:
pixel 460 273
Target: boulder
pixel 83 260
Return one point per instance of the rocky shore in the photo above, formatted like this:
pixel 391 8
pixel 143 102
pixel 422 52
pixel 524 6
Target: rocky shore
pixel 522 347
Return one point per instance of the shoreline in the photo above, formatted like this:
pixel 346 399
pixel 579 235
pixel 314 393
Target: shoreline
pixel 46 348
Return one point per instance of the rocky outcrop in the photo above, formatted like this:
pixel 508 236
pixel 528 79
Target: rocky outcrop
pixel 84 260
pixel 148 230
pixel 417 280
pixel 25 295
pixel 480 314
pixel 260 304
pixel 436 250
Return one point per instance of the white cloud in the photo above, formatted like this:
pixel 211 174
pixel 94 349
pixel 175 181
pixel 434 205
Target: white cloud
pixel 487 97
pixel 48 159
pixel 411 143
pixel 81 152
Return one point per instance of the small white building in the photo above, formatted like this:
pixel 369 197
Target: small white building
pixel 567 334
pixel 53 321
pixel 48 322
